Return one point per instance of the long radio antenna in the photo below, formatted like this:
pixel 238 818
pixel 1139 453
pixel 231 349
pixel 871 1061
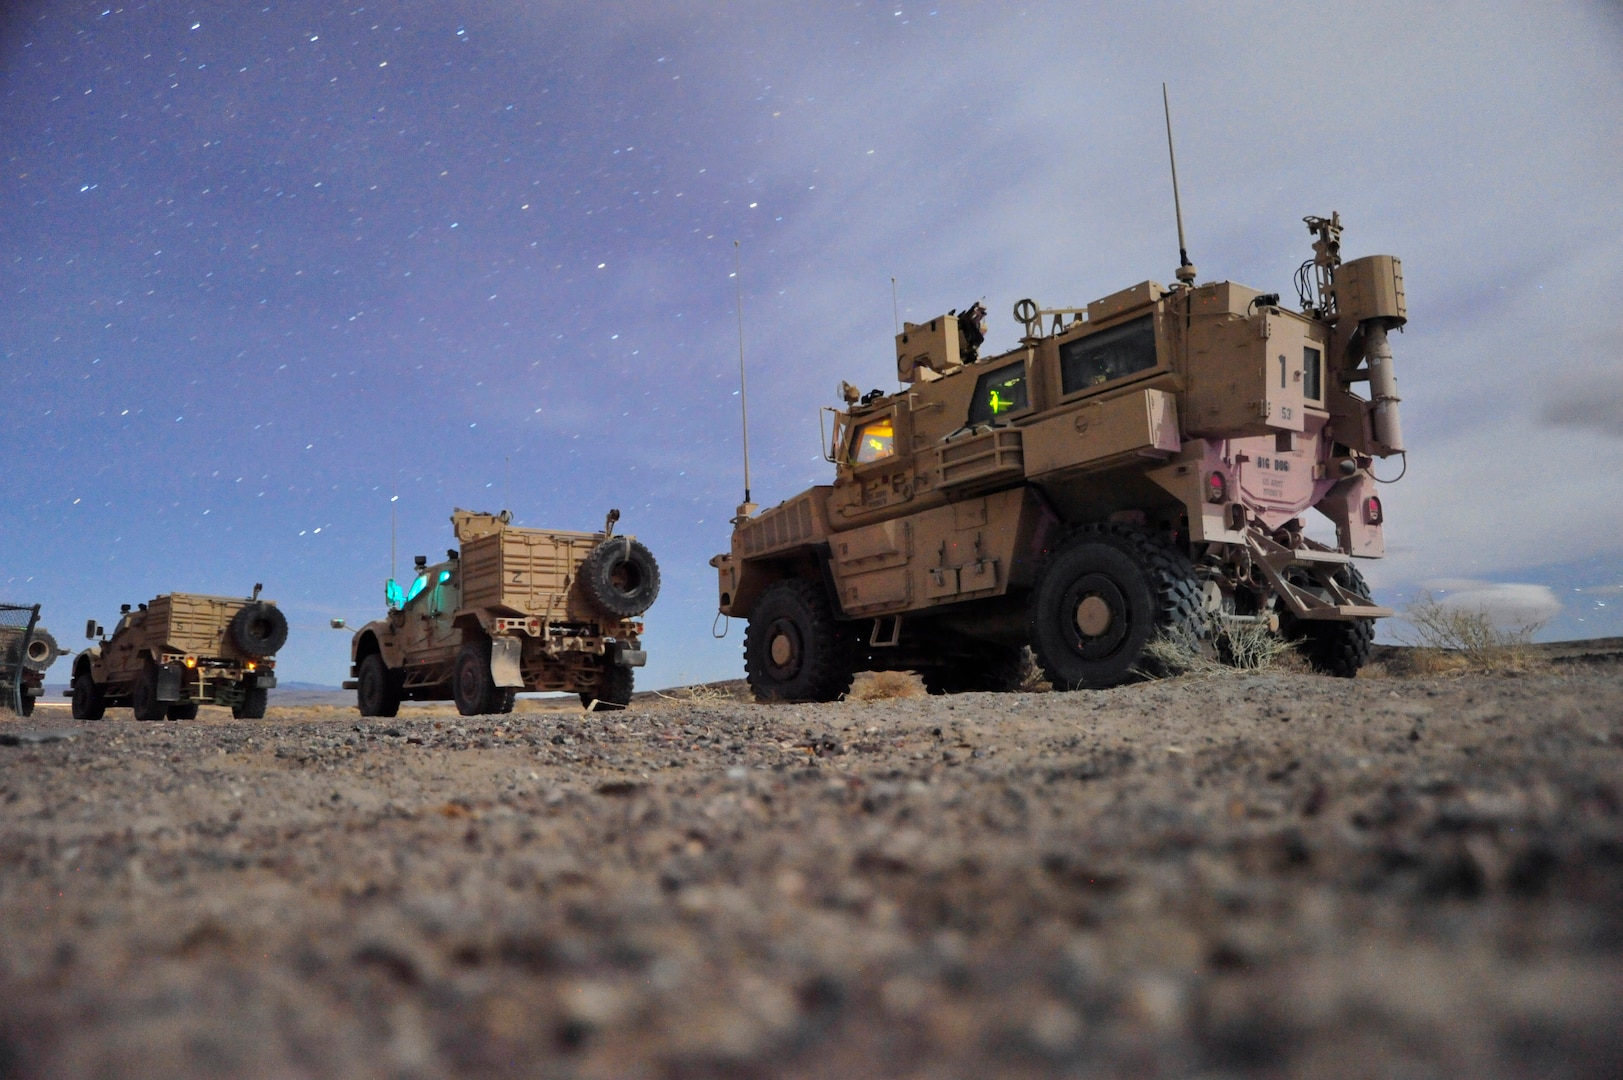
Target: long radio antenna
pixel 1186 269
pixel 746 506
pixel 394 496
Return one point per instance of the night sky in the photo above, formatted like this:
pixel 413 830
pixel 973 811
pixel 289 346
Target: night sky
pixel 265 267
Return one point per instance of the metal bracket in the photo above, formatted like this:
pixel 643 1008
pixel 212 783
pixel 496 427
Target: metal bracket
pixel 895 639
pixel 1274 558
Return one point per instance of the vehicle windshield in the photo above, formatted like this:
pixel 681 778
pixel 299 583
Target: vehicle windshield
pixel 875 441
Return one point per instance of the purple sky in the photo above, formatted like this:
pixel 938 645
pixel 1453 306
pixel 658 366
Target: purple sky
pixel 264 265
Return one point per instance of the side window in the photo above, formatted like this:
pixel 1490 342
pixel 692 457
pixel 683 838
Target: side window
pixel 999 393
pixel 1108 355
pixel 874 441
pixel 1312 374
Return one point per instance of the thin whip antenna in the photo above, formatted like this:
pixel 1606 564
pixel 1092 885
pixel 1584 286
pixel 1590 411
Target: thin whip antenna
pixel 1186 269
pixel 394 495
pixel 743 392
pixel 507 481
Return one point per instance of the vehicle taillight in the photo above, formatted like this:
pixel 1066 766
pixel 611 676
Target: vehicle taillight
pixel 1217 488
pixel 1372 510
pixel 191 661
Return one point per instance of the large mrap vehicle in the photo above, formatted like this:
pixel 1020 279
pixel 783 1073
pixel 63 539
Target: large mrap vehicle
pixel 1137 468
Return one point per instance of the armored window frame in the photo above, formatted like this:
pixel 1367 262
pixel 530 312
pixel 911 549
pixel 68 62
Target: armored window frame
pixel 1132 352
pixel 988 381
pixel 1313 373
pixel 859 431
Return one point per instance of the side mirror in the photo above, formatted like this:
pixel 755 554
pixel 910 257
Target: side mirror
pixel 90 628
pixel 338 624
pixel 393 597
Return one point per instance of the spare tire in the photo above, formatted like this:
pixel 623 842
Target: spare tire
pixel 621 577
pixel 259 629
pixel 42 650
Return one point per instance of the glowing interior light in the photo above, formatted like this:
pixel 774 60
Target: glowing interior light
pixel 416 587
pixel 445 575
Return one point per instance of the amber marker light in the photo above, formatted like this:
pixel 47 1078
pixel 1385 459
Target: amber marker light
pixel 191 661
pixel 252 665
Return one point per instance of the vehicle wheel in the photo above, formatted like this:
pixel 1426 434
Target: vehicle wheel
pixel 375 691
pixel 1104 596
pixel 144 698
pixel 472 686
pixel 89 700
pixel 183 710
pixel 1341 647
pixel 254 703
pixel 259 629
pixel 621 577
pixel 613 689
pixel 793 650
pixel 25 705
pixel 997 669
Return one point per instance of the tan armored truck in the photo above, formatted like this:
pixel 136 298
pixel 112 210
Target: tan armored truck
pixel 514 609
pixel 1142 466
pixel 179 651
pixel 26 651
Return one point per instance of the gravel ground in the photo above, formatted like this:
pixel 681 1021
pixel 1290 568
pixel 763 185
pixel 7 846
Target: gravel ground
pixel 1252 875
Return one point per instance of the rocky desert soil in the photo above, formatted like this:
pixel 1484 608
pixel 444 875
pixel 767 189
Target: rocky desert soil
pixel 1248 875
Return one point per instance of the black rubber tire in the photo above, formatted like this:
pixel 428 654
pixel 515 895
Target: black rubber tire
pixel 1148 588
pixel 25 704
pixel 1337 648
pixel 994 669
pixel 472 686
pixel 256 699
pixel 183 710
pixel 621 577
pixel 376 691
pixel 144 697
pixel 89 700
pixel 41 637
pixel 613 690
pixel 817 664
pixel 259 629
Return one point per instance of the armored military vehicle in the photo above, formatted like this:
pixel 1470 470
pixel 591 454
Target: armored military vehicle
pixel 179 651
pixel 26 651
pixel 514 609
pixel 1138 467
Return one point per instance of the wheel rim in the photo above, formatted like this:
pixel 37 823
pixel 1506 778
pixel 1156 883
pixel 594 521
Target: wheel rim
pixel 467 683
pixel 1095 611
pixel 783 649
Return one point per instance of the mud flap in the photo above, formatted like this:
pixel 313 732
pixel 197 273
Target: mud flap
pixel 625 657
pixel 504 657
pixel 169 683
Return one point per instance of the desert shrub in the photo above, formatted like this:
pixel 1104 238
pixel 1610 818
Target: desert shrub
pixel 886 686
pixel 1450 638
pixel 1225 647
